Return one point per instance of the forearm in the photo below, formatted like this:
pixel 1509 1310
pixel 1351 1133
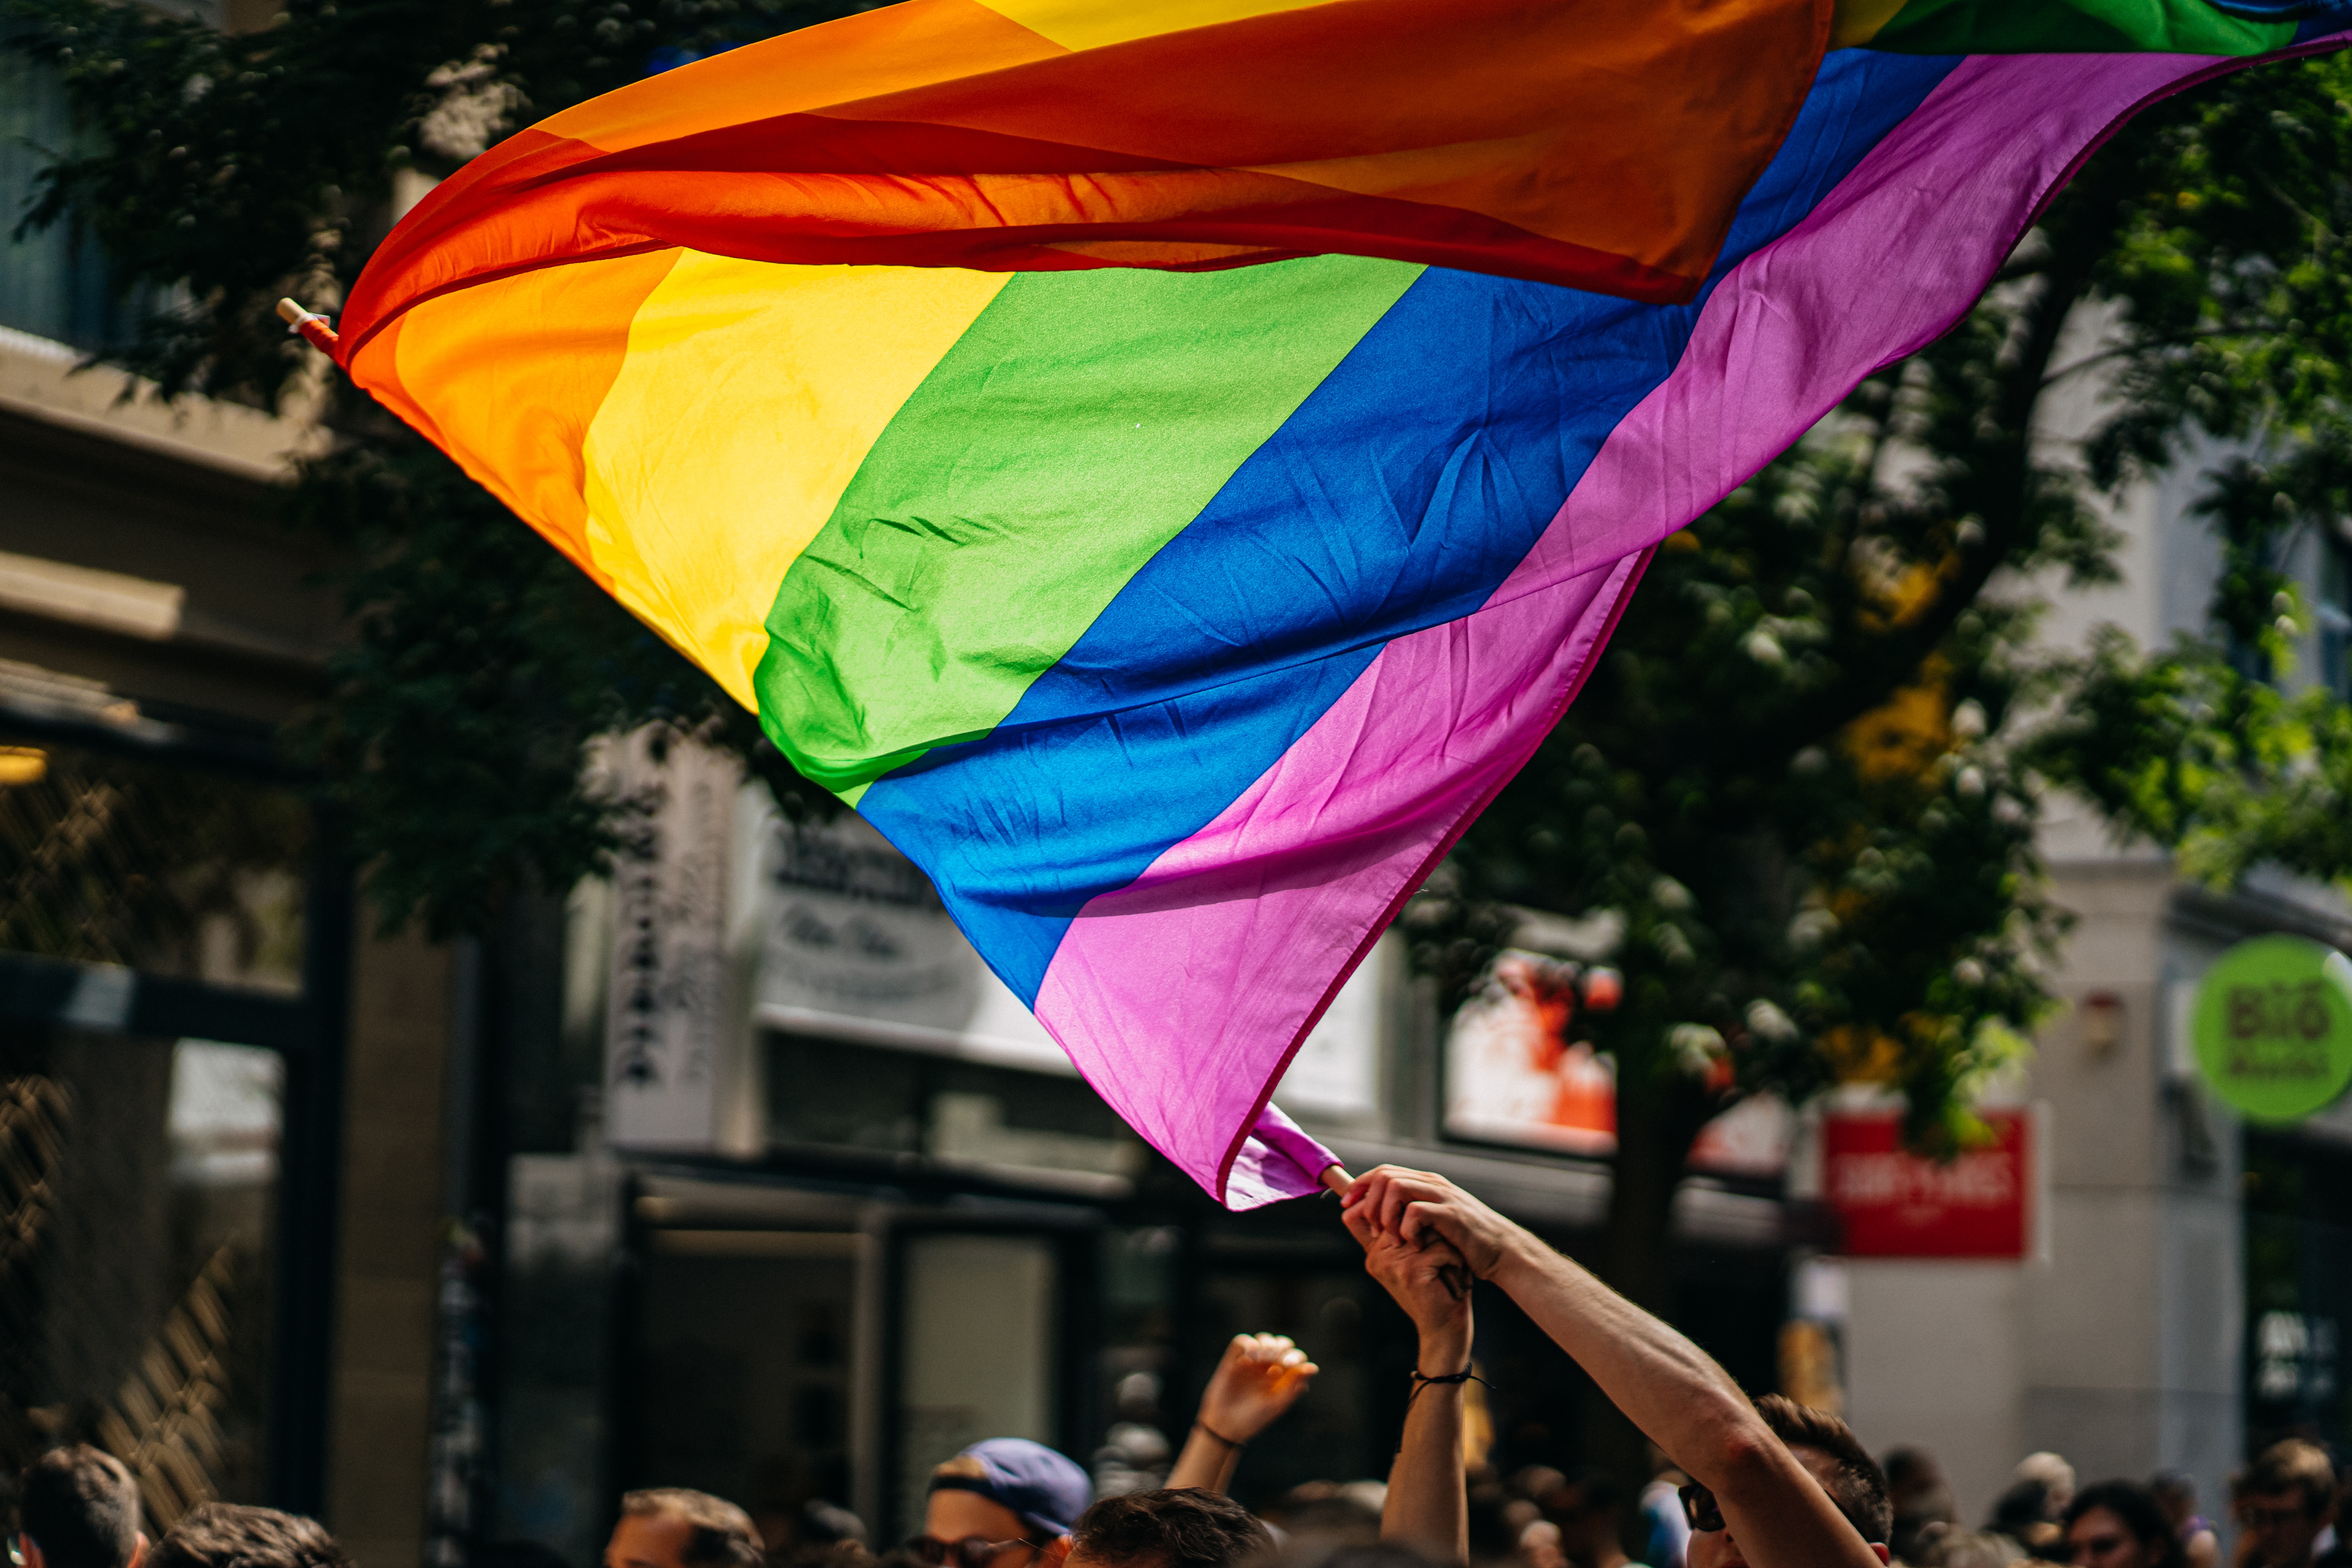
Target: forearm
pixel 1207 1462
pixel 1667 1386
pixel 1426 1507
pixel 1686 1403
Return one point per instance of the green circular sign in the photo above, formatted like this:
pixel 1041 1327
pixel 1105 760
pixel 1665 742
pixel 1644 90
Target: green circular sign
pixel 2273 1027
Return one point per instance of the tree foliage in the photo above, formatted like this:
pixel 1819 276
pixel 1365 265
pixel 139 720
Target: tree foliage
pixel 1807 774
pixel 221 170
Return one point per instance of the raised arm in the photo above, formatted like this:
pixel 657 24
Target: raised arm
pixel 1426 1507
pixel 1669 1388
pixel 1258 1378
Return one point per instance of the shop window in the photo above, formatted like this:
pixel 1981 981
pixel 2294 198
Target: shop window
pixel 151 865
pixel 53 284
pixel 978 1358
pixel 831 1093
pixel 743 1377
pixel 2298 1263
pixel 138 1187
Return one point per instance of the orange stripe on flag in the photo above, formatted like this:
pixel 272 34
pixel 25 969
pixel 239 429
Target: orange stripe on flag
pixel 1603 143
pixel 517 370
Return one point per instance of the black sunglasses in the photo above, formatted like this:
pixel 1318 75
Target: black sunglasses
pixel 1705 1515
pixel 1699 1508
pixel 972 1551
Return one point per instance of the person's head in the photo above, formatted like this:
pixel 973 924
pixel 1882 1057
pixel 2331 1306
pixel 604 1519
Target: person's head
pixel 1004 1503
pixel 1327 1553
pixel 1589 1511
pixel 1911 1472
pixel 1175 1527
pixel 2175 1492
pixel 515 1552
pixel 1328 1513
pixel 2117 1525
pixel 1835 1459
pixel 2287 1497
pixel 1966 1549
pixel 79 1510
pixel 232 1535
pixel 2056 1476
pixel 670 1527
pixel 2022 1513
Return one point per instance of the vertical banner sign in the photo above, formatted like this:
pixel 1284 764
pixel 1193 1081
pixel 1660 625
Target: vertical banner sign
pixel 666 1017
pixel 1893 1203
pixel 2273 1027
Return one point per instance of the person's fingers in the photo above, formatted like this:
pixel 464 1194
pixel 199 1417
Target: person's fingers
pixel 1405 1187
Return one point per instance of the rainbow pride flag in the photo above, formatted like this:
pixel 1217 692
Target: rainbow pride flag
pixel 1167 463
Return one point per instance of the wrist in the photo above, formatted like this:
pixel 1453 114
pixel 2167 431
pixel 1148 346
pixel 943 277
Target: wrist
pixel 1230 1436
pixel 1518 1253
pixel 1444 1348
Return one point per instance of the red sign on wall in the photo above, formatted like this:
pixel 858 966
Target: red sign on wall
pixel 1896 1204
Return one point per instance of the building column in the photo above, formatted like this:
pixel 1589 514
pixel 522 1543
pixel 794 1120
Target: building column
pixel 389 1246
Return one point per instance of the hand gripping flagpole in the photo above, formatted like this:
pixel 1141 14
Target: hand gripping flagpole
pixel 311 325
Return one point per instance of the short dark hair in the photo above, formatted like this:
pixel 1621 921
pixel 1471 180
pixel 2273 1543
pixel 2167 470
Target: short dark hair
pixel 232 1535
pixel 1858 1486
pixel 1175 1527
pixel 722 1534
pixel 2137 1508
pixel 2293 1466
pixel 81 1509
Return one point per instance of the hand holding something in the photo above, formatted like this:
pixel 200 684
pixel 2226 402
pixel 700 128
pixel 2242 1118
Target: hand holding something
pixel 1420 1207
pixel 1260 1377
pixel 1430 1282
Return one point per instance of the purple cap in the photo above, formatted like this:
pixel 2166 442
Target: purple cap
pixel 1047 1491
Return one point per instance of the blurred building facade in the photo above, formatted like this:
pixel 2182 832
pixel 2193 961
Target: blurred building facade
pixel 2188 1275
pixel 800 1200
pixel 222 1097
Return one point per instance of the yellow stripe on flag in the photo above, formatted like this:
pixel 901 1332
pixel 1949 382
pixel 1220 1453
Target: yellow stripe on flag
pixel 750 394
pixel 1091 23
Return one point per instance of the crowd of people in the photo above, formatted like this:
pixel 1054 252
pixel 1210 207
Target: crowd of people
pixel 1762 1483
pixel 2285 1506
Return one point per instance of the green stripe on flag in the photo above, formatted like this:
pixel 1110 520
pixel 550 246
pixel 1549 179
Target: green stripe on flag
pixel 2076 27
pixel 1079 424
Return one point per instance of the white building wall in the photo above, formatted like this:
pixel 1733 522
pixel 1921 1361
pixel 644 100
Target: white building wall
pixel 2120 1345
pixel 1935 1358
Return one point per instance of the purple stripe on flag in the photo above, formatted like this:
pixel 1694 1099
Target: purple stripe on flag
pixel 1237 939
pixel 1885 265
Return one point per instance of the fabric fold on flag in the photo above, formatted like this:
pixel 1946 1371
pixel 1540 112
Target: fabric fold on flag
pixel 1177 622
pixel 1603 143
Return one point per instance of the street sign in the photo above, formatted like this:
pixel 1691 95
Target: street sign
pixel 2273 1027
pixel 1892 1203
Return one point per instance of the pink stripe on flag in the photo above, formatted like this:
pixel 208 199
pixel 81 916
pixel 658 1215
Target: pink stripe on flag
pixel 1236 940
